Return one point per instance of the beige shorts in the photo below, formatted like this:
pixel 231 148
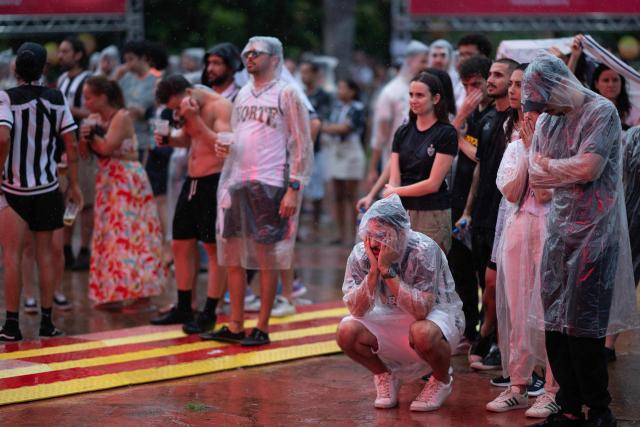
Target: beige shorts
pixel 434 224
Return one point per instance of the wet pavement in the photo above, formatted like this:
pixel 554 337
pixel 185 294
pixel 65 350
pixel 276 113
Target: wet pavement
pixel 330 390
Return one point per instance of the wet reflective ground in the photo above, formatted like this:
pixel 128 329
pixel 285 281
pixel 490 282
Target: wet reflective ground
pixel 329 391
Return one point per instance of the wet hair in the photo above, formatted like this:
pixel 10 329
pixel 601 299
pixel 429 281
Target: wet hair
pixel 435 87
pixel 78 46
pixel 171 86
pixel 156 55
pixel 100 85
pixel 447 88
pixel 136 47
pixel 351 84
pixel 477 65
pixel 314 65
pixel 513 65
pixel 622 103
pixel 479 40
pixel 513 115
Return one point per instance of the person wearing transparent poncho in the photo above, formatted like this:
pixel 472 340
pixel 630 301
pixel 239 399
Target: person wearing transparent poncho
pixel 405 314
pixel 259 195
pixel 586 277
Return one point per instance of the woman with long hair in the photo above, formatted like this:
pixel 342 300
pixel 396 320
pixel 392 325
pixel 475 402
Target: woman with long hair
pixel 613 86
pixel 423 151
pixel 126 250
pixel 518 250
pixel 343 135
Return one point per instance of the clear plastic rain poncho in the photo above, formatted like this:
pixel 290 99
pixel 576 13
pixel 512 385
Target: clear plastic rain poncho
pixel 272 146
pixel 427 289
pixel 586 275
pixel 518 257
pixel 631 181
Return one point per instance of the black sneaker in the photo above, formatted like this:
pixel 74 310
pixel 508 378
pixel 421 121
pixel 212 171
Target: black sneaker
pixel 559 420
pixel 610 354
pixel 202 323
pixel 480 348
pixel 501 381
pixel 603 419
pixel 82 260
pixel 50 331
pixel 10 336
pixel 224 334
pixel 173 317
pixel 536 388
pixel 255 338
pixel 490 361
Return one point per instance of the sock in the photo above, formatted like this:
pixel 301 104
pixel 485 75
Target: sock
pixel 68 251
pixel 45 320
pixel 210 307
pixel 12 321
pixel 184 301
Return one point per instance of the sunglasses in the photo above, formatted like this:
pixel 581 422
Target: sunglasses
pixel 252 54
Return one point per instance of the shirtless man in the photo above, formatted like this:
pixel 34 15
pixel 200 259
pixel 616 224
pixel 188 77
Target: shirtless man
pixel 204 113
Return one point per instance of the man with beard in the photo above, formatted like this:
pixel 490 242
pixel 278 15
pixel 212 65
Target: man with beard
pixel 71 58
pixel 221 63
pixel 483 216
pixel 259 195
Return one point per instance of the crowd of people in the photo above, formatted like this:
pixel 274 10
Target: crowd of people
pixel 508 184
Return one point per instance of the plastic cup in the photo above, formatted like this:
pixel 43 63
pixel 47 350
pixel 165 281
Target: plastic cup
pixel 162 127
pixel 225 139
pixel 70 213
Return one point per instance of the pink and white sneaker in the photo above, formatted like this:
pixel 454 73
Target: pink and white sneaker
pixel 432 395
pixel 387 390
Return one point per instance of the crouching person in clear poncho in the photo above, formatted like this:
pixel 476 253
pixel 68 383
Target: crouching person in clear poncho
pixel 405 314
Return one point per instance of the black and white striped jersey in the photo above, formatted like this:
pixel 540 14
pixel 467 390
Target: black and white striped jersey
pixel 71 87
pixel 31 167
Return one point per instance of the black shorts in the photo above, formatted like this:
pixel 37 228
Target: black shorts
pixel 255 213
pixel 481 248
pixel 42 212
pixel 196 210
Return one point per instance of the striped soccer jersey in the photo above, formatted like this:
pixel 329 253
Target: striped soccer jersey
pixel 31 167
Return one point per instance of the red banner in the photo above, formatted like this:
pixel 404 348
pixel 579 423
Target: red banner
pixel 523 7
pixel 62 7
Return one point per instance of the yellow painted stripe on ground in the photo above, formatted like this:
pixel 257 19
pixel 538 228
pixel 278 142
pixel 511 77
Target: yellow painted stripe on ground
pixel 159 336
pixel 103 382
pixel 156 352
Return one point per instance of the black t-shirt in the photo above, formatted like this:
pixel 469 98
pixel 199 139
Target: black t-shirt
pixel 417 151
pixel 489 154
pixel 478 123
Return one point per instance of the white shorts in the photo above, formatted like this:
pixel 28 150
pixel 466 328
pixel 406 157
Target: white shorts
pixel 392 334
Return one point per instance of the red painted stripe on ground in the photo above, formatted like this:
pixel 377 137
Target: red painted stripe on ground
pixel 75 373
pixel 129 348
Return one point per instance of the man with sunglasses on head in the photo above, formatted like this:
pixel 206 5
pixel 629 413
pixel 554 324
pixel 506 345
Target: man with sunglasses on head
pixel 260 188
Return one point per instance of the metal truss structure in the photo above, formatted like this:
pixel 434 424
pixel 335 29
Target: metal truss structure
pixel 403 23
pixel 131 23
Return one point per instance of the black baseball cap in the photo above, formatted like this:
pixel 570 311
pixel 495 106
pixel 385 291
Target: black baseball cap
pixel 30 61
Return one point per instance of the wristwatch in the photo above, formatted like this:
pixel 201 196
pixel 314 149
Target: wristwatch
pixel 391 272
pixel 294 185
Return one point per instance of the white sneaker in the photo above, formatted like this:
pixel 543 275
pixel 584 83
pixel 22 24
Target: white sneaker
pixel 387 390
pixel 432 395
pixel 282 307
pixel 508 400
pixel 544 406
pixel 252 305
